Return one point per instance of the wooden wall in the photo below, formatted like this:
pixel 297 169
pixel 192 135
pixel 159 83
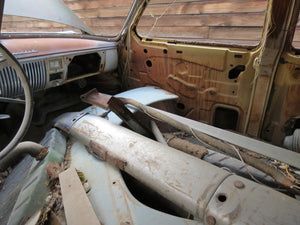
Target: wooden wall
pixel 206 20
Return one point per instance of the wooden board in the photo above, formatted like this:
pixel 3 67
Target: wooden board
pixel 78 209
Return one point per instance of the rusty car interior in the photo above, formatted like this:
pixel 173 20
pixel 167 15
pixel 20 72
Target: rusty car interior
pixel 170 117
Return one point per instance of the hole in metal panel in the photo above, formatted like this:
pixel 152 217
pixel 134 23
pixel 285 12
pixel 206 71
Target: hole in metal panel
pixel 235 72
pixel 225 118
pixel 222 197
pixel 149 63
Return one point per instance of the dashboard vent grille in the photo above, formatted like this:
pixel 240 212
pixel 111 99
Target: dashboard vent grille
pixel 10 85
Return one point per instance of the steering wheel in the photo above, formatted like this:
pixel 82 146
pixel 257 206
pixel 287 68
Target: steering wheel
pixel 7 59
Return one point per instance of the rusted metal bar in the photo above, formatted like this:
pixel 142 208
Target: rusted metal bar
pixel 118 107
pixel 185 146
pixel 95 98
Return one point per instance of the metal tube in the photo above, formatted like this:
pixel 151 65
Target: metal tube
pixel 35 150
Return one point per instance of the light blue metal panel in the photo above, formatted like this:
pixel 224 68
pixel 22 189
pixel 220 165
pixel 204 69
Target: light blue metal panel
pixel 109 196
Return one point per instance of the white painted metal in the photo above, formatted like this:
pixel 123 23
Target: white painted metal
pixel 111 200
pixel 188 181
pixel 111 60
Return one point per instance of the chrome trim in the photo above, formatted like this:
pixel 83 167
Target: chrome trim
pixel 11 85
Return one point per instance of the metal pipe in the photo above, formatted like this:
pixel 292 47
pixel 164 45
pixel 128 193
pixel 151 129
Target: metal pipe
pixel 22 149
pixel 157 134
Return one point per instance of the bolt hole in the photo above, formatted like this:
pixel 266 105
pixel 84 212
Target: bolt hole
pixel 145 50
pixel 222 197
pixel 114 182
pixel 149 63
pixel 233 92
pixel 180 106
pixel 165 51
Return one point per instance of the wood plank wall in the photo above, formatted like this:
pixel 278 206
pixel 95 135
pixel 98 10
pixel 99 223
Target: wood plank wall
pixel 236 21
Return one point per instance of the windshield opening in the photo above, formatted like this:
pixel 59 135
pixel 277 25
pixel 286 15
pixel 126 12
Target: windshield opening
pixel 97 17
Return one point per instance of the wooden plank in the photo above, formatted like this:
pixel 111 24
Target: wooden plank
pixel 78 209
pixel 96 13
pixel 177 7
pixel 206 8
pixel 34 24
pixel 174 32
pixel 104 22
pixel 107 31
pixel 86 4
pixel 250 33
pixel 227 20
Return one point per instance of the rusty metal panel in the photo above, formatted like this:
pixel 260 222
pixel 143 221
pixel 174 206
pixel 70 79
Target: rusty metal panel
pixel 23 48
pixel 199 75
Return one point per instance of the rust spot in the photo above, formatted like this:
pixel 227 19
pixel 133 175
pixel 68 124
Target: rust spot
pixel 42 154
pixel 53 170
pixel 239 184
pixel 108 156
pixel 131 144
pixel 210 220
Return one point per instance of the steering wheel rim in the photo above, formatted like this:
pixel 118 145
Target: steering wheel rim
pixel 9 60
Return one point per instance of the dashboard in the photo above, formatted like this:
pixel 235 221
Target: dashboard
pixel 51 62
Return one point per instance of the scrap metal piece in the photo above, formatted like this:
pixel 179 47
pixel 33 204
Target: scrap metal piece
pixel 35 186
pixel 118 107
pixel 190 183
pixel 112 202
pixel 185 146
pixel 243 154
pixel 96 98
pixel 263 148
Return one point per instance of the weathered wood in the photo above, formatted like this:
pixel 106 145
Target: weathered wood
pixel 78 208
pixel 189 19
pixel 191 32
pixel 251 33
pixel 224 20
